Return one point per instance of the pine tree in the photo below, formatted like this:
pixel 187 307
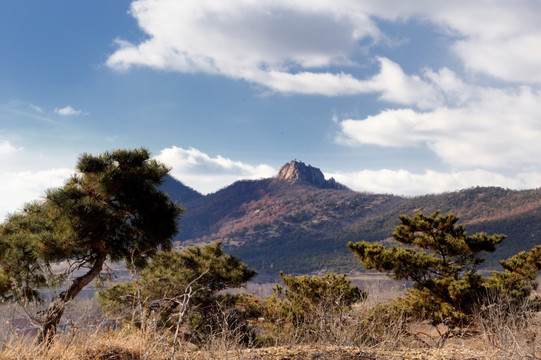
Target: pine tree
pixel 311 306
pixel 110 209
pixel 442 261
pixel 186 283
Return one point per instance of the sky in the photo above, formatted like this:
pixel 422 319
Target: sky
pixel 386 96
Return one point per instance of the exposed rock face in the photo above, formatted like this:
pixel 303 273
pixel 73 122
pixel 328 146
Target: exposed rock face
pixel 298 173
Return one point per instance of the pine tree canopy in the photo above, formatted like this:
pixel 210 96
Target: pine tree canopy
pixel 442 262
pixel 110 209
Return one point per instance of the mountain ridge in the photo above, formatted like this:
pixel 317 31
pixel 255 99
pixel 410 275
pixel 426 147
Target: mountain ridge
pixel 299 222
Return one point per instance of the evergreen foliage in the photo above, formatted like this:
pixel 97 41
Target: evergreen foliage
pixel 311 306
pixel 447 286
pixel 111 208
pixel 191 280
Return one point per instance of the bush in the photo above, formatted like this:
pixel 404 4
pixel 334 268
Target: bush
pixel 183 291
pixel 310 307
pixel 446 284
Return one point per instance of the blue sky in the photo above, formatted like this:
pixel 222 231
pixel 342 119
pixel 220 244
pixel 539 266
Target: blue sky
pixel 403 97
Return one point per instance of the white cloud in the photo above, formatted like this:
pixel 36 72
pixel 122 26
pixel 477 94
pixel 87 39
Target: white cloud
pixel 258 41
pixel 310 83
pixel 403 182
pixel 69 111
pixel 501 39
pixel 391 83
pixel 287 45
pixel 514 59
pixel 7 148
pixel 208 174
pixel 475 127
pixel 497 38
pixel 397 87
pixel 19 188
pixel 25 174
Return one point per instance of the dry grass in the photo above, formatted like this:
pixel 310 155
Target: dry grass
pixel 93 346
pixel 499 332
pixel 129 344
pixel 125 346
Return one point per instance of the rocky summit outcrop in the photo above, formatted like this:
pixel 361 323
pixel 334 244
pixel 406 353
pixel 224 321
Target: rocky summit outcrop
pixel 298 173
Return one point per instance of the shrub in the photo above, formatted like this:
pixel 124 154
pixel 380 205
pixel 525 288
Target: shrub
pixel 311 307
pixel 446 284
pixel 183 289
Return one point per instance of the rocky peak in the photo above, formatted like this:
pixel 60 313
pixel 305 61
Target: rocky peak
pixel 298 173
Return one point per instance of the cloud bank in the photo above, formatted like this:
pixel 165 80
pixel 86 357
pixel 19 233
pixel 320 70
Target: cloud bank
pixel 194 168
pixel 403 182
pixel 284 45
pixel 492 128
pixel 208 174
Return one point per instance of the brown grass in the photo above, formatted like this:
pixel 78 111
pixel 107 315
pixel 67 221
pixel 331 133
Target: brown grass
pixel 499 332
pixel 124 346
pixel 129 344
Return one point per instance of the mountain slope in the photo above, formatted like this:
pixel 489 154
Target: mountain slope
pixel 516 214
pixel 299 222
pixel 178 191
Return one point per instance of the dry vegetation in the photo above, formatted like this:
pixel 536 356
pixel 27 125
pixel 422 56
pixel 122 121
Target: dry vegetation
pixel 498 333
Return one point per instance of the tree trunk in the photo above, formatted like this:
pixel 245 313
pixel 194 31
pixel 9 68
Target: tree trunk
pixel 51 316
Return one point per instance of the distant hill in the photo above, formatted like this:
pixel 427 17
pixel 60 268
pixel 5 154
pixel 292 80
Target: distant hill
pixel 299 222
pixel 178 191
pixel 516 214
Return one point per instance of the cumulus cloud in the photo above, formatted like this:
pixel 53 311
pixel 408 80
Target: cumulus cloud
pixel 503 41
pixel 391 83
pixel 397 87
pixel 19 188
pixel 257 41
pixel 403 182
pixel 69 111
pixel 208 174
pixel 287 45
pixel 475 127
pixel 228 37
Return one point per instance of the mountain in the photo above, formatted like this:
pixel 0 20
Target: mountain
pixel 298 173
pixel 178 191
pixel 299 222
